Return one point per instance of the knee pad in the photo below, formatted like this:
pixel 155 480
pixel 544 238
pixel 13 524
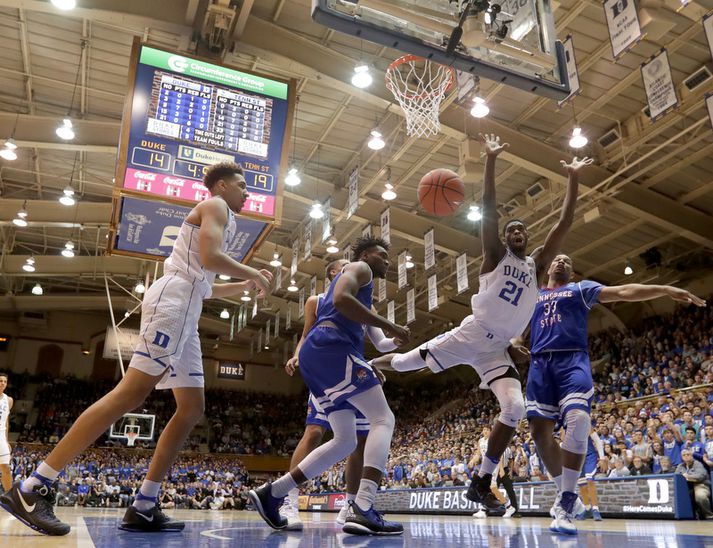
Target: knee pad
pixel 578 425
pixel 512 409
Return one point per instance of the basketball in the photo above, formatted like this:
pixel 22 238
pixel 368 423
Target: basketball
pixel 441 192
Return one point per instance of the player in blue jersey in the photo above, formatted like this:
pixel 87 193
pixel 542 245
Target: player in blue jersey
pixel 333 367
pixel 587 487
pixel 559 383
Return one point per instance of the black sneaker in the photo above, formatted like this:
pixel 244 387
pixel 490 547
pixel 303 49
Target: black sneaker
pixel 479 491
pixel 268 506
pixel 36 509
pixel 369 522
pixel 149 521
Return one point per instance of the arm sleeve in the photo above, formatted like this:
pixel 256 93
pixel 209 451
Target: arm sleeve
pixel 590 292
pixel 380 342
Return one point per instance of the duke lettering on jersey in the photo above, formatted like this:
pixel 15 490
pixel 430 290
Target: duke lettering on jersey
pixel 514 272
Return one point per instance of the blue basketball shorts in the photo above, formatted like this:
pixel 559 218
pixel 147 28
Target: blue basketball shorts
pixel 316 417
pixel 589 469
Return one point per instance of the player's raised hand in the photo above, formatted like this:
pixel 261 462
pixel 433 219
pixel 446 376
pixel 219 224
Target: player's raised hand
pixel 262 281
pixel 399 333
pixel 291 366
pixel 491 144
pixel 576 164
pixel 684 296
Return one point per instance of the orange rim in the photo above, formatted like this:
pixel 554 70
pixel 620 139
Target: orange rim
pixel 407 59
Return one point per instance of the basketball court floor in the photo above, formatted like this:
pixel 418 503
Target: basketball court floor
pixel 97 528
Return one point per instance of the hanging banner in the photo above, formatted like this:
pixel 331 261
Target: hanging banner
pixel 259 341
pixel 366 232
pixel 658 84
pixel 572 71
pixel 301 309
pixel 429 257
pixel 708 28
pixel 295 257
pixel 327 220
pixel 623 24
pixel 381 295
pixel 232 327
pixel 254 313
pixel 268 328
pixel 432 293
pixel 402 270
pixel 234 371
pixel 709 104
pixel 276 333
pixel 410 305
pixel 313 286
pixel 462 273
pixel 288 318
pixel 348 253
pixel 278 278
pixel 353 199
pixel 386 225
pixel 308 241
pixel 390 312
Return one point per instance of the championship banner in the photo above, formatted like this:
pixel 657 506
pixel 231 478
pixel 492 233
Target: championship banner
pixel 462 272
pixel 278 277
pixel 301 308
pixel 658 84
pixel 295 257
pixel 429 255
pixel 623 24
pixel 386 225
pixel 234 371
pixel 402 270
pixel 327 220
pixel 353 199
pixel 313 286
pixel 307 235
pixel 381 286
pixel 232 327
pixel 391 312
pixel 709 104
pixel 288 317
pixel 410 305
pixel 708 28
pixel 656 497
pixel 276 333
pixel 432 293
pixel 366 232
pixel 268 331
pixel 254 311
pixel 572 72
pixel 127 340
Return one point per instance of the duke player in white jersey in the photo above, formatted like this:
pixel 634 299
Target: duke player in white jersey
pixel 317 425
pixel 167 356
pixel 501 311
pixel 559 382
pixel 5 449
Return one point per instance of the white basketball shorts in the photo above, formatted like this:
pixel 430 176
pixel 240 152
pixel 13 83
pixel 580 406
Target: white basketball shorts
pixel 5 454
pixel 169 343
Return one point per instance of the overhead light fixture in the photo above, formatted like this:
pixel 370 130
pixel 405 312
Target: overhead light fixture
pixel 316 212
pixel 578 140
pixel 246 296
pixel 37 289
pixel 29 265
pixel 267 347
pixel 8 150
pixel 362 77
pixel 627 269
pixel 376 142
pixel 409 261
pixel 68 250
pixel 474 213
pixel 140 287
pixel 223 277
pixel 67 197
pixel 85 351
pixel 224 314
pixel 21 218
pixel 293 177
pixel 127 314
pixel 64 4
pixel 292 287
pixel 275 260
pixel 64 130
pixel 389 193
pixel 487 18
pixel 480 108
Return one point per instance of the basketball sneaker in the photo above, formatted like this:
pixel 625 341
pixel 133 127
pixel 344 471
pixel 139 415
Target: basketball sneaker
pixel 509 512
pixel 342 515
pixel 291 513
pixel 480 514
pixel 596 515
pixel 563 522
pixel 149 521
pixel 369 522
pixel 36 509
pixel 579 508
pixel 479 491
pixel 268 506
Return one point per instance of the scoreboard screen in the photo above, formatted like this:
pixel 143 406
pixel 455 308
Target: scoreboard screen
pixel 187 114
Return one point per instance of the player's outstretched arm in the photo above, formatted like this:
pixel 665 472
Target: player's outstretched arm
pixel 310 316
pixel 232 289
pixel 493 248
pixel 553 243
pixel 642 292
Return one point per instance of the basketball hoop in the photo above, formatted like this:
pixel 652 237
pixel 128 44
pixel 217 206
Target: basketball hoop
pixel 131 438
pixel 419 86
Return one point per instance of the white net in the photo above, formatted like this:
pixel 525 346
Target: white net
pixel 131 438
pixel 419 86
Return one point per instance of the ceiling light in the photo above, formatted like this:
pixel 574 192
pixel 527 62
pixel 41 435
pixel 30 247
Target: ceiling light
pixel 578 140
pixel 67 197
pixel 480 109
pixel 21 218
pixel 127 314
pixel 292 178
pixel 474 213
pixel 409 262
pixel 86 351
pixel 376 142
pixel 10 143
pixel 8 151
pixel 316 212
pixel 224 314
pixel 68 250
pixel 331 248
pixel 488 18
pixel 64 4
pixel 389 193
pixel 246 296
pixel 223 277
pixel 140 288
pixel 37 289
pixel 362 77
pixel 267 347
pixel 64 130
pixel 627 269
pixel 292 287
pixel 276 260
pixel 29 265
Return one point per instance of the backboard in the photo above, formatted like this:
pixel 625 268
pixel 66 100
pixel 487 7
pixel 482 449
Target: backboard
pixel 508 41
pixel 138 423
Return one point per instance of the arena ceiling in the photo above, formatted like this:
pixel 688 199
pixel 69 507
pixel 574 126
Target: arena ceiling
pixel 652 187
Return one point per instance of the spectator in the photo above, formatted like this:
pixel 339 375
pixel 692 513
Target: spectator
pixel 699 483
pixel 665 466
pixel 619 470
pixel 639 467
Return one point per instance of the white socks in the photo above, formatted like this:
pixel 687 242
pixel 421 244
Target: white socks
pixel 569 480
pixel 488 466
pixel 558 482
pixel 147 497
pixel 43 475
pixel 282 486
pixel 367 494
pixel 294 497
pixel 351 497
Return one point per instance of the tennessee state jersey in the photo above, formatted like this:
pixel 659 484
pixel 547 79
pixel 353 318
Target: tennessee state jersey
pixel 185 258
pixel 560 319
pixel 507 296
pixel 327 312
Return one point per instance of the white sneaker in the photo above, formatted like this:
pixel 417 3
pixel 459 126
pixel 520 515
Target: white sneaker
pixel 509 511
pixel 342 515
pixel 563 522
pixel 558 498
pixel 480 514
pixel 292 515
pixel 579 507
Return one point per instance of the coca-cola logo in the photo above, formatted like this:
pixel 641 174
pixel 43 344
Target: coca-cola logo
pixel 174 181
pixel 144 175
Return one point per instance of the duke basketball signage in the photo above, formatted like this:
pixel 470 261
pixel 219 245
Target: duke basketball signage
pixel 231 370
